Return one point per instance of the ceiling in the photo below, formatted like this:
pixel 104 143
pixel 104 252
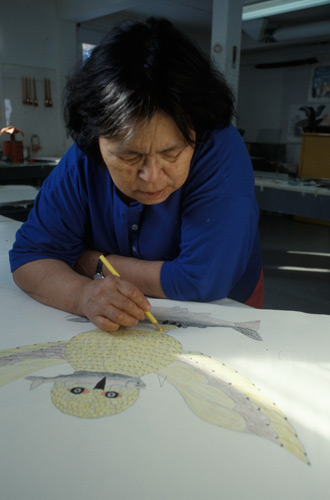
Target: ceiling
pixel 309 25
pixel 195 17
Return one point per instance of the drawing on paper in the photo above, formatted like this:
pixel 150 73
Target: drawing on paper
pixel 108 371
pixel 183 318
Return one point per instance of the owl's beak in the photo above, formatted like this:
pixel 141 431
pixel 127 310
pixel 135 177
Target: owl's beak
pixel 101 384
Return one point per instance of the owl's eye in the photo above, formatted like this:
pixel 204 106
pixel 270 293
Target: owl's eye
pixel 77 390
pixel 111 394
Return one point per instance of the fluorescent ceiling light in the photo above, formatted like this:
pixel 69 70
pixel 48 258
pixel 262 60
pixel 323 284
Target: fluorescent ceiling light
pixel 273 7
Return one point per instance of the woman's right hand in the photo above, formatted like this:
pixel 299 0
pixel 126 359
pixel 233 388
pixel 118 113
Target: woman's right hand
pixel 112 302
pixel 109 303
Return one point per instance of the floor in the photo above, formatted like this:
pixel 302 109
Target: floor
pixel 296 258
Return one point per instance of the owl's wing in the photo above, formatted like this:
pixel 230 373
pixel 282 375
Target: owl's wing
pixel 20 361
pixel 221 396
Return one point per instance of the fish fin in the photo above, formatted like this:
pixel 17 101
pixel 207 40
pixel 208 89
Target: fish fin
pixel 36 381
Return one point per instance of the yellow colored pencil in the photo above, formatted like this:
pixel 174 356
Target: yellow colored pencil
pixel 113 271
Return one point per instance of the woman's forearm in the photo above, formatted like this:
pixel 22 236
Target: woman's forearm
pixel 87 262
pixel 144 274
pixel 53 283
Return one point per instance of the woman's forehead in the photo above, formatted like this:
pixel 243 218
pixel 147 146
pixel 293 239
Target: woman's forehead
pixel 160 133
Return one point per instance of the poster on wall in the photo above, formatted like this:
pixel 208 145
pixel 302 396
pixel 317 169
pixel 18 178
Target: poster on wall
pixel 319 90
pixel 304 116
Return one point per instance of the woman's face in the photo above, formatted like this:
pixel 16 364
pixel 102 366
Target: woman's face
pixel 151 164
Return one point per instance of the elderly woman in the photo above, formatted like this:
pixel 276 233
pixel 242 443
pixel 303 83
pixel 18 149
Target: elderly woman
pixel 158 180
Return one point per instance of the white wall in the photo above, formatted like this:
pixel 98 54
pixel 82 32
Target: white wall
pixel 260 98
pixel 35 43
pixel 28 31
pixel 266 96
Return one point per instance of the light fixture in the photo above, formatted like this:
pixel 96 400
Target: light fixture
pixel 273 7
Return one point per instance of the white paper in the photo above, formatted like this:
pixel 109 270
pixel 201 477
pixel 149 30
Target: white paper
pixel 158 448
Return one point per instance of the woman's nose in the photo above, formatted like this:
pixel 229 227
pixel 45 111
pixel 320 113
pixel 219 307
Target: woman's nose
pixel 150 171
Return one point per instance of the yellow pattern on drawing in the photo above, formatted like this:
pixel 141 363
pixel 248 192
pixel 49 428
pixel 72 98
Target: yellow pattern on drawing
pixel 132 352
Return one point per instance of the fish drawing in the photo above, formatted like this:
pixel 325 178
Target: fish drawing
pixel 183 318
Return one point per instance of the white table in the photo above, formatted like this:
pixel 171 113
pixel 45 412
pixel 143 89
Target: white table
pixel 292 196
pixel 12 194
pixel 162 446
pixel 8 228
pixel 17 201
pixel 5 219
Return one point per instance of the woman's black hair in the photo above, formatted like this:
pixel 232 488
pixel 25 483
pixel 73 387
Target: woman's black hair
pixel 138 69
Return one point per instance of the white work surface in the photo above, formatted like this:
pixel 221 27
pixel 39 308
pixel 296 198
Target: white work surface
pixel 293 196
pixel 17 194
pixel 8 228
pixel 296 185
pixel 204 426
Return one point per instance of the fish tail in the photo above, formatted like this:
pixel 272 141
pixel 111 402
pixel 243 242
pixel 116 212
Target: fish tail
pixel 251 325
pixel 249 328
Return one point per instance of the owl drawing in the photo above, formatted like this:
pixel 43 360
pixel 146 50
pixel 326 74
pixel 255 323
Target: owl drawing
pixel 108 370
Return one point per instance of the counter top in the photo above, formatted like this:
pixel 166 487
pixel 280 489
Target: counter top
pixel 33 163
pixel 25 173
pixel 303 197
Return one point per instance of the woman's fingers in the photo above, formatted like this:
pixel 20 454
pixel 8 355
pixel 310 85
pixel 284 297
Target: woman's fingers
pixel 113 302
pixel 122 297
pixel 107 325
pixel 104 323
pixel 133 294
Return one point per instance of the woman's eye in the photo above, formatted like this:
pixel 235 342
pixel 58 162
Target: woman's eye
pixel 171 156
pixel 131 158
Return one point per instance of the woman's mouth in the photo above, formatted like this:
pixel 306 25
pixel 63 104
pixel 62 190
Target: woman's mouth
pixel 153 195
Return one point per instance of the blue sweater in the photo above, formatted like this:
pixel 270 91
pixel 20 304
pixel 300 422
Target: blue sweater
pixel 206 231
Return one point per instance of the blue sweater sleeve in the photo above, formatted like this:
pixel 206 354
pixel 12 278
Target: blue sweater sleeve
pixel 56 226
pixel 219 224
